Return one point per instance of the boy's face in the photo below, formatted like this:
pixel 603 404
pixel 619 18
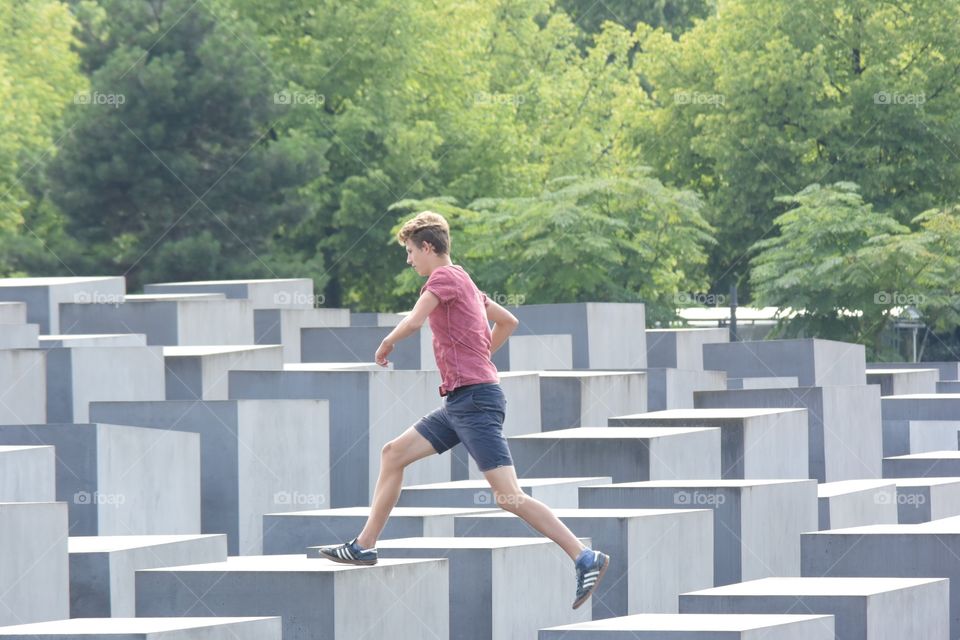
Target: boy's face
pixel 417 257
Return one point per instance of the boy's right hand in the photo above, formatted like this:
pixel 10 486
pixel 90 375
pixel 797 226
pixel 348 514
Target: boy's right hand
pixel 382 352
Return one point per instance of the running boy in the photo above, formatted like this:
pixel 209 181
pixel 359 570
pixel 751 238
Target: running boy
pixel 473 404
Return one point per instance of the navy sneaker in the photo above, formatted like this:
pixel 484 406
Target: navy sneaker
pixel 591 565
pixel 350 553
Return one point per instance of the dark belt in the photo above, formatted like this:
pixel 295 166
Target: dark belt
pixel 456 391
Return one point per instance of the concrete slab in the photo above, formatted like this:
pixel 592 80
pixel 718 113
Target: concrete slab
pixel 535 352
pixel 844 426
pixel 28 473
pixel 757 523
pixel 257 457
pixel 948 386
pixel 375 319
pixel 102 568
pixel 587 398
pixel 94 340
pixel 625 454
pixel 755 443
pixel 863 608
pixel 691 626
pixel 815 362
pixel 926 499
pixel 269 293
pixel 282 326
pixel 558 493
pixel 930 464
pixel 33 562
pixel 404 598
pixel 13 313
pixel 673 388
pixel 675 545
pixel 200 373
pixel 44 295
pixel 359 344
pixel 854 503
pixel 23 386
pixel 121 480
pixel 149 629
pixel 293 532
pixel 773 382
pixel 948 370
pixel 19 336
pixel 903 437
pixel 681 348
pixel 897 382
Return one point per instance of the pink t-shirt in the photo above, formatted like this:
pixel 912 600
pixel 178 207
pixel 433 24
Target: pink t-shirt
pixel 461 333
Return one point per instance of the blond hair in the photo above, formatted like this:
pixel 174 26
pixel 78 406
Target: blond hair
pixel 427 226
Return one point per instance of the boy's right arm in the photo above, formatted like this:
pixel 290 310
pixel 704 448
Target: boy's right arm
pixel 504 323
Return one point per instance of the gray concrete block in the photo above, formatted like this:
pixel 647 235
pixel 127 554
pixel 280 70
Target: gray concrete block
pixel 393 599
pixel 757 523
pixel 188 320
pixel 491 577
pixel 845 430
pixel 625 454
pixel 948 370
pixel 902 437
pixel 23 386
pixel 854 503
pixel 773 382
pixel 121 480
pixel 269 293
pixel 674 545
pixel 13 313
pixel 681 348
pixel 587 398
pixel 94 340
pixel 554 492
pixel 815 362
pixel 102 568
pixel 535 353
pixel 77 376
pixel 754 443
pixel 257 457
pixel 930 464
pixel 359 344
pixel 282 326
pixel 897 382
pixel 293 532
pixel 926 499
pixel 863 609
pixel 19 336
pixel 922 406
pixel 44 295
pixel 673 388
pixel 375 319
pixel 691 626
pixel 948 386
pixel 149 629
pixel 34 585
pixel 200 373
pixel 28 473
pixel 605 335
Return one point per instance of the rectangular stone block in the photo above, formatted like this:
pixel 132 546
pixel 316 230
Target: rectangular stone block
pixel 149 629
pixel 535 353
pixel 19 336
pixel 77 376
pixel 863 609
pixel 681 348
pixel 605 335
pixel 691 626
pixel 815 362
pixel 23 386
pixel 257 457
pixel 926 499
pixel 587 398
pixel 554 492
pixel 28 473
pixel 948 386
pixel 931 464
pixel 102 568
pixel 948 370
pixel 94 340
pixel 673 388
pixel 13 313
pixel 757 523
pixel 270 293
pixel 773 382
pixel 922 406
pixel 44 295
pixel 625 454
pixel 854 503
pixel 844 426
pixel 491 577
pixel 294 532
pixel 121 480
pixel 675 545
pixel 754 443
pixel 282 326
pixel 396 598
pixel 197 320
pixel 33 562
pixel 359 344
pixel 898 382
pixel 375 319
pixel 903 437
pixel 200 373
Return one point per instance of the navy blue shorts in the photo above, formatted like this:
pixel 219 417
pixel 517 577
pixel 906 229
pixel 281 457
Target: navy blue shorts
pixel 472 415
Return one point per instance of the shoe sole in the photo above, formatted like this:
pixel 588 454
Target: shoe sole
pixel 586 596
pixel 362 563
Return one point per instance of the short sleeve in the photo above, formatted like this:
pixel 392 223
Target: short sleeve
pixel 442 284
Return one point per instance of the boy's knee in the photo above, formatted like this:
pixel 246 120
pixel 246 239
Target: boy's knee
pixel 511 502
pixel 390 454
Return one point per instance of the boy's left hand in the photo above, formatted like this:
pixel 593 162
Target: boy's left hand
pixel 382 352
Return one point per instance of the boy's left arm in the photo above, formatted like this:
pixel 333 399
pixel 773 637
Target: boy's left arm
pixel 410 324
